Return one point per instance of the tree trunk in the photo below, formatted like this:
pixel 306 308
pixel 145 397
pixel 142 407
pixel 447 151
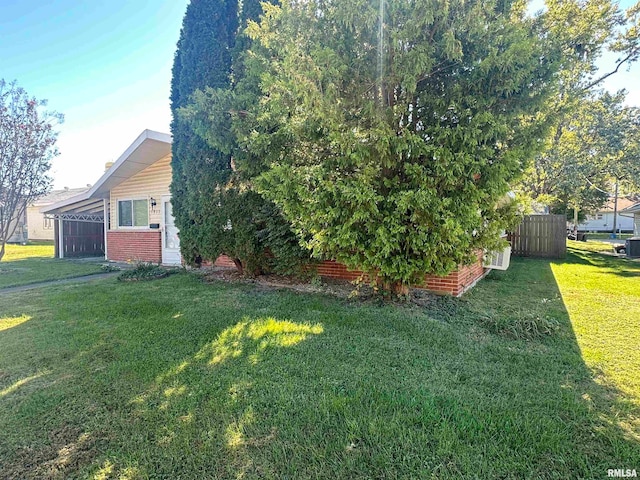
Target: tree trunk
pixel 400 289
pixel 397 289
pixel 2 251
pixel 238 264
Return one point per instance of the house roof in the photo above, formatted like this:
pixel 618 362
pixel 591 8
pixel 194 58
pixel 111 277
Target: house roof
pixel 623 203
pixel 148 148
pixel 635 208
pixel 55 196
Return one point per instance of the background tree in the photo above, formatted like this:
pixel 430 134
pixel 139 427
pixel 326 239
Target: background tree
pixel 585 31
pixel 605 148
pixel 595 154
pixel 27 145
pixel 388 135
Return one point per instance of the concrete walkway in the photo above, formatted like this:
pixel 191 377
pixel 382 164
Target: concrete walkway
pixel 62 281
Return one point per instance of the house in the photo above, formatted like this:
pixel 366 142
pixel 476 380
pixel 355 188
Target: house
pixel 633 213
pixel 127 216
pixel 602 220
pixel 39 226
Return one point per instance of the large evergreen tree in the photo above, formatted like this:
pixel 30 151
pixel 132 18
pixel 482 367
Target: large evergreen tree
pixel 388 132
pixel 203 59
pixel 225 215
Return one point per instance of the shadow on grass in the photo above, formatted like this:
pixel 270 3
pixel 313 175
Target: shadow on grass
pixel 616 265
pixel 178 394
pixel 179 379
pixel 609 423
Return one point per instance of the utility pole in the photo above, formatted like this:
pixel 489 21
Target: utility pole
pixel 615 210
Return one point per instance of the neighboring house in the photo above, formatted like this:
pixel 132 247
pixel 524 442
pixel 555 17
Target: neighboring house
pixel 39 226
pixel 602 221
pixel 129 211
pixel 633 213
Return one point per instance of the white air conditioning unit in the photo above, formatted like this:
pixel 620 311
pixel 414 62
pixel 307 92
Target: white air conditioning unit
pixel 498 260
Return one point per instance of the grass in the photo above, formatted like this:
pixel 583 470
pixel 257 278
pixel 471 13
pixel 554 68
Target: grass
pixel 177 379
pixel 602 296
pixel 606 236
pixel 25 264
pixel 591 246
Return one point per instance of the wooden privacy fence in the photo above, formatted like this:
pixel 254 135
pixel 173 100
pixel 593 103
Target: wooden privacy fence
pixel 540 236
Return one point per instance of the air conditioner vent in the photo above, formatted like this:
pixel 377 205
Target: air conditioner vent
pixel 498 260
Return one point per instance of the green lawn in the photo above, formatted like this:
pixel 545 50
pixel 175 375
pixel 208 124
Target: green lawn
pixel 600 236
pixel 25 264
pixel 593 246
pixel 177 379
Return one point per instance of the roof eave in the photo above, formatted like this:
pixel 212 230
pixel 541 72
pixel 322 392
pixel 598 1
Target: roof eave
pixel 96 191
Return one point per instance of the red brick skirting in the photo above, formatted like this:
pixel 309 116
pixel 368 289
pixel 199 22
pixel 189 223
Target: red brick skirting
pixel 224 261
pixel 134 246
pixel 456 283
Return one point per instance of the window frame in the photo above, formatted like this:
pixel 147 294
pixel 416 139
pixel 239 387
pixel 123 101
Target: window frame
pixel 131 199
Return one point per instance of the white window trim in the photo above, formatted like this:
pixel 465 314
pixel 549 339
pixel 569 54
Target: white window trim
pixel 131 199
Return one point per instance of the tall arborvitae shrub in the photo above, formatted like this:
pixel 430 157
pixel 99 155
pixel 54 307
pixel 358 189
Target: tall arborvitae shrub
pixel 224 214
pixel 202 59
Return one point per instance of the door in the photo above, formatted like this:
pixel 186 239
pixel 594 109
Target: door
pixel 170 239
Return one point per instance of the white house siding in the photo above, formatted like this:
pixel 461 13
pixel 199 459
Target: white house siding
pixel 38 228
pixel 606 223
pixel 636 229
pixel 152 182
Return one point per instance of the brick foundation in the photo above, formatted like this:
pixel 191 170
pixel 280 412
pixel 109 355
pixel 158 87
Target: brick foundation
pixel 224 261
pixel 456 283
pixel 134 246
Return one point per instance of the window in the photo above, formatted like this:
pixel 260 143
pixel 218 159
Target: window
pixel 48 223
pixel 599 216
pixel 133 213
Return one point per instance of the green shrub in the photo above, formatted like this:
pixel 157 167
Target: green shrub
pixel 105 267
pixel 143 271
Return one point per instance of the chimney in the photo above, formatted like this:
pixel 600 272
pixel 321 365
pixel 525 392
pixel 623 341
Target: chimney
pixel 107 166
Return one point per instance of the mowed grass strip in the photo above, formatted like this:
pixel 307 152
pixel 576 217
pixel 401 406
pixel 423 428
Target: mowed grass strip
pixel 178 379
pixel 602 295
pixel 27 264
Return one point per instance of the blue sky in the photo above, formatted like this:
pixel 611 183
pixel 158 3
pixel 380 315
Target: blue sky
pixel 106 65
